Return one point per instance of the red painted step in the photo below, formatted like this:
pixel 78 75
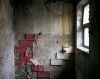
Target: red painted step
pixel 26 43
pixel 44 74
pixel 32 37
pixel 38 68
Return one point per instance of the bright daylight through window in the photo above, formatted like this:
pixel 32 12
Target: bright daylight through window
pixel 86 26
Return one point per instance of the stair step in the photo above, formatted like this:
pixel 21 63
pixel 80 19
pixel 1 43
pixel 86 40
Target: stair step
pixel 26 43
pixel 44 74
pixel 63 56
pixel 38 68
pixel 32 37
pixel 56 62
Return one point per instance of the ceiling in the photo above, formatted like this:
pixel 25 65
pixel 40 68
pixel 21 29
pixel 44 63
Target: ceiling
pixel 15 3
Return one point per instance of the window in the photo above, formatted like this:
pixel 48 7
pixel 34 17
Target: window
pixel 86 37
pixel 86 26
pixel 86 14
pixel 83 27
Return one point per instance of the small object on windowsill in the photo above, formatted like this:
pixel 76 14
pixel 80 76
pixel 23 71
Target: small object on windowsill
pixel 66 49
pixel 63 51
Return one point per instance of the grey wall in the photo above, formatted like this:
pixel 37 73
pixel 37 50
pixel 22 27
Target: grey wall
pixel 94 67
pixel 6 41
pixel 54 24
pixel 82 64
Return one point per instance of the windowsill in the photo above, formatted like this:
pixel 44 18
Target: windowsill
pixel 86 50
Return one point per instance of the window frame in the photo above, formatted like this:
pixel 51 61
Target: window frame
pixel 79 27
pixel 86 25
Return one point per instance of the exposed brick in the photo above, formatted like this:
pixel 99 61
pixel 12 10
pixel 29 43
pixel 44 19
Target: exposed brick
pixel 32 37
pixel 25 60
pixel 20 49
pixel 44 74
pixel 26 43
pixel 38 68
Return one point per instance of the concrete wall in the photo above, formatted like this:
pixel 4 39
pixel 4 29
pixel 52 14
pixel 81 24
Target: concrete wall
pixel 55 25
pixel 82 65
pixel 6 41
pixel 94 68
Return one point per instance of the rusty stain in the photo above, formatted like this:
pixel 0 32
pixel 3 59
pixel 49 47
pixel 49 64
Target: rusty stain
pixel 65 22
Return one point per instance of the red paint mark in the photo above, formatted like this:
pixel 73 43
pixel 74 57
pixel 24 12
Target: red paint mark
pixel 22 54
pixel 38 68
pixel 32 37
pixel 29 55
pixel 45 74
pixel 20 49
pixel 24 60
pixel 26 43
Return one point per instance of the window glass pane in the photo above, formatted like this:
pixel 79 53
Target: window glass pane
pixel 86 37
pixel 86 14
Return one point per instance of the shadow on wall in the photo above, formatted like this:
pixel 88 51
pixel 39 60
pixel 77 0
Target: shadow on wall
pixel 68 71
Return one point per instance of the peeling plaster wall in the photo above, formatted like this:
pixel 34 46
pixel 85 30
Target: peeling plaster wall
pixel 55 25
pixel 6 41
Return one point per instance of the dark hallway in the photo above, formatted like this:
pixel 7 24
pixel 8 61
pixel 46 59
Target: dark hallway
pixel 49 39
